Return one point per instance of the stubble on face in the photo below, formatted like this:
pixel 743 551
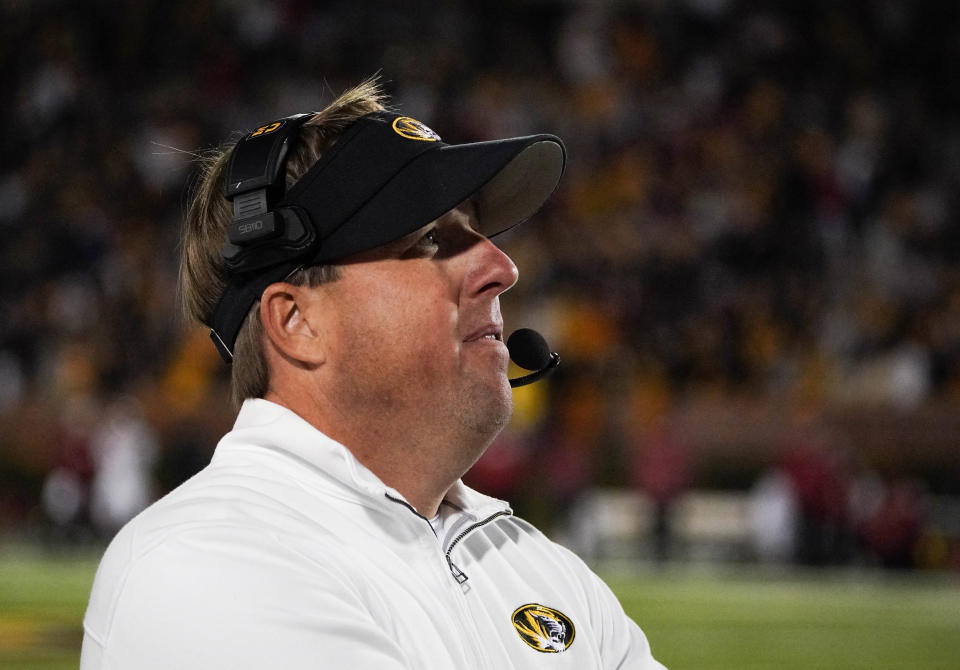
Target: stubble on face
pixel 423 393
pixel 403 374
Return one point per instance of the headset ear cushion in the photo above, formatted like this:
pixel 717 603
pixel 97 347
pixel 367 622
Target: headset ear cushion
pixel 265 226
pixel 296 240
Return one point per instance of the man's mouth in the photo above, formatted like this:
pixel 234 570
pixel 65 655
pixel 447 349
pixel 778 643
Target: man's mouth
pixel 491 332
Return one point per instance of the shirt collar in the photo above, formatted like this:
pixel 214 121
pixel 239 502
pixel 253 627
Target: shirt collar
pixel 265 424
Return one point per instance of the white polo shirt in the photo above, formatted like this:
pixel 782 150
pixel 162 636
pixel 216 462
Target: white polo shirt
pixel 286 552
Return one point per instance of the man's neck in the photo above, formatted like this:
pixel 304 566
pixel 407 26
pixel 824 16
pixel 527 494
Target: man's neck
pixel 421 465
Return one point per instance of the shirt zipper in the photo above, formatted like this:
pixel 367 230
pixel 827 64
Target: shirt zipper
pixel 458 575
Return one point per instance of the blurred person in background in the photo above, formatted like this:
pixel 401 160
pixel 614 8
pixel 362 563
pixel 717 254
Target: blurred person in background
pixel 123 449
pixel 662 469
pixel 352 286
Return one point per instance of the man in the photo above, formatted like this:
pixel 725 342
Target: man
pixel 343 264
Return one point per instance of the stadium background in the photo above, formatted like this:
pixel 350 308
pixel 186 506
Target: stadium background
pixel 750 268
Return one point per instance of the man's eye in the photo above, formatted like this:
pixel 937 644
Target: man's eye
pixel 427 244
pixel 429 239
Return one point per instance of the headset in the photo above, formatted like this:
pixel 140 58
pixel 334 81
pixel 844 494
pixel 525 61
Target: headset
pixel 262 235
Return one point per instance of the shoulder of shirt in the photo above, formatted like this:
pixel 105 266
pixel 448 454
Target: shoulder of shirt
pixel 258 496
pixel 189 530
pixel 223 500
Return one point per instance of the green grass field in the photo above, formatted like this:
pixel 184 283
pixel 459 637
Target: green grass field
pixel 744 619
pixel 749 620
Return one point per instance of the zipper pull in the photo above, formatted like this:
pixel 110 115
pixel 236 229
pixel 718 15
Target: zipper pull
pixel 459 575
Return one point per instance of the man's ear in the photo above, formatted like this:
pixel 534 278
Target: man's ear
pixel 284 312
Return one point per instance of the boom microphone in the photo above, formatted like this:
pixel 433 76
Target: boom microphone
pixel 530 351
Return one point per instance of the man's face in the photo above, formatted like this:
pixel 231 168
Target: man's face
pixel 417 334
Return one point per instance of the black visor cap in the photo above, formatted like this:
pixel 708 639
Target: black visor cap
pixel 510 178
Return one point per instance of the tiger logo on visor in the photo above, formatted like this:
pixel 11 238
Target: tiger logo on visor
pixel 412 129
pixel 543 628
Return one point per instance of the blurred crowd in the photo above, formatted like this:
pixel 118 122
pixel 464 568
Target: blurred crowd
pixel 759 203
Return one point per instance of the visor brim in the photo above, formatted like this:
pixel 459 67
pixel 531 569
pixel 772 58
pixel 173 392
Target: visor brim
pixel 510 178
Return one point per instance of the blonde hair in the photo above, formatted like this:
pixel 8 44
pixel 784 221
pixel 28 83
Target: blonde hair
pixel 202 273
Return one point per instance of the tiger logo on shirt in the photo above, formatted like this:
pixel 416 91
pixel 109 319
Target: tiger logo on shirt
pixel 543 628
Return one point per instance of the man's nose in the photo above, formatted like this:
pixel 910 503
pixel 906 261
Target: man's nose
pixel 491 270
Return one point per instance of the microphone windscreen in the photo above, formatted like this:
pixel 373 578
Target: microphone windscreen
pixel 528 349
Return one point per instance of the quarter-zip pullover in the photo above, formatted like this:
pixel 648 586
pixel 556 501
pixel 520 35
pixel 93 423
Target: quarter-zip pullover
pixel 286 552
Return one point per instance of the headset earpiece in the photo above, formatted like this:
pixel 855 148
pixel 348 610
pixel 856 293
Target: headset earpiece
pixel 260 235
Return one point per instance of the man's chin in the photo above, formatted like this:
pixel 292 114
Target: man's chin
pixel 489 408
